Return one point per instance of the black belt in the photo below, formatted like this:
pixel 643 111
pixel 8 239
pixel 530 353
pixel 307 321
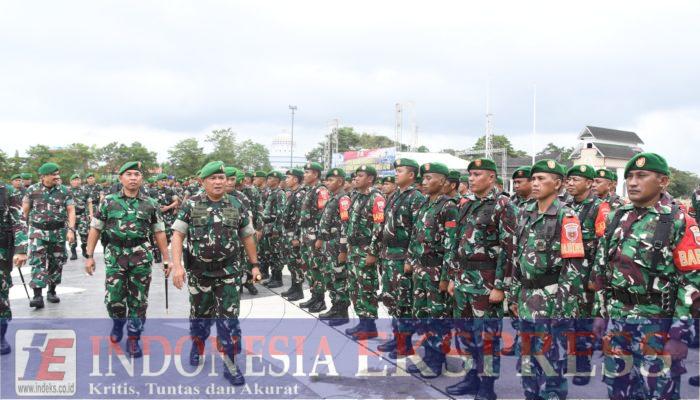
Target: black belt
pixel 127 242
pixel 49 226
pixel 199 265
pixel 630 299
pixel 478 265
pixel 393 242
pixel 541 281
pixel 431 260
pixel 355 241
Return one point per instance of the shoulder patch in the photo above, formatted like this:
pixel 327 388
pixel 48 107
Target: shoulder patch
pixel 378 209
pixel 322 197
pixel 571 238
pixel 603 211
pixel 343 208
pixel 686 255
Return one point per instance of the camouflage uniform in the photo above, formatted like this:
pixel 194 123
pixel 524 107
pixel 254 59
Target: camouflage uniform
pixel 641 300
pixel 263 248
pixel 82 218
pixel 214 231
pixel 47 219
pixel 291 227
pixel 247 207
pixel 481 262
pixel 273 230
pixel 331 226
pixel 314 201
pixel 165 196
pixel 547 283
pixel 13 240
pixel 127 223
pixel 366 218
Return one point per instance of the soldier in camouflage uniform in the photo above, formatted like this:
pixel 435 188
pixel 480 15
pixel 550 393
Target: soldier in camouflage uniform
pixel 603 187
pixel 547 282
pixel 77 192
pixel 332 245
pixel 168 201
pixel 291 226
pixel 16 182
pixel 647 280
pixel 273 228
pixel 215 226
pixel 259 182
pixel 26 180
pixel 463 185
pixel 477 277
pixel 430 252
pixel 366 219
pixel 13 250
pixel 127 220
pixel 50 211
pixel 312 206
pixel 395 236
pixel 388 187
pixel 232 175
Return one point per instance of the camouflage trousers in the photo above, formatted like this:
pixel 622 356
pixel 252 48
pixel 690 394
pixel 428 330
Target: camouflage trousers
pixel 363 283
pixel 430 306
pixel 397 288
pixel 5 285
pixel 47 254
pixel 543 357
pixel 335 274
pixel 313 261
pixel 274 248
pixel 633 364
pixel 127 281
pixel 584 334
pixel 215 299
pixel 83 226
pixel 168 218
pixel 293 258
pixel 263 254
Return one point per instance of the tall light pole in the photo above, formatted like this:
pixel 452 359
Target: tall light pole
pixel 291 143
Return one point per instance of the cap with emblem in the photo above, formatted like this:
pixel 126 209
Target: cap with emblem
pixel 275 174
pixel 230 171
pixel 548 166
pixel 296 172
pixel 248 174
pixel 211 168
pixel 585 171
pixel 605 173
pixel 434 168
pixel 406 162
pixel 389 179
pixel 485 164
pixel 130 165
pixel 74 176
pixel 453 176
pixel 522 172
pixel 260 174
pixel 48 168
pixel 26 175
pixel 16 176
pixel 464 178
pixel 368 169
pixel 161 177
pixel 312 165
pixel 240 175
pixel 499 180
pixel 90 175
pixel 152 179
pixel 647 162
pixel 335 172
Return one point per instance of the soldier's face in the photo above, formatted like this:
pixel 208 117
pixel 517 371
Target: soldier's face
pixel 522 187
pixel 334 183
pixel 273 182
pixel 347 186
pixel 481 181
pixel 131 179
pixel 258 181
pixel 51 180
pixel 17 183
pixel 545 185
pixel 310 176
pixel 405 175
pixel 75 183
pixel 230 184
pixel 26 182
pixel 215 185
pixel 645 187
pixel 433 183
pixel 91 180
pixel 578 185
pixel 388 187
pixel 289 180
pixel 363 180
pixel 601 186
pixel 463 187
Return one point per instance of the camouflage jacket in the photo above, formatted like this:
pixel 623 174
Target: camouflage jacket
pixel 484 244
pixel 273 215
pixel 214 231
pixel 614 200
pixel 333 223
pixel 79 196
pixel 623 263
pixel 366 219
pixel 399 220
pixel 315 199
pixel 128 219
pixel 256 205
pixel 92 194
pixel 433 237
pixel 521 202
pixel 13 226
pixel 293 211
pixel 246 205
pixel 165 196
pixel 47 205
pixel 541 255
pixel 591 213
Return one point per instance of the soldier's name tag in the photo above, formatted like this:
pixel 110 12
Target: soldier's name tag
pixel 540 245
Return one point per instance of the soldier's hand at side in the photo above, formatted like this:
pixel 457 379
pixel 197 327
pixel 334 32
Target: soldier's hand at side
pixel 19 259
pixel 257 277
pixel 676 349
pixel 90 266
pixel 258 235
pixel 443 286
pixel 317 244
pixel 407 269
pixel 514 310
pixel 370 260
pixel 496 296
pixel 71 236
pixel 599 325
pixel 167 268
pixel 451 288
pixel 178 273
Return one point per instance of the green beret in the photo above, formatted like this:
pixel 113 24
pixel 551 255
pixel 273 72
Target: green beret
pixel 370 170
pixel 130 165
pixel 248 174
pixel 26 175
pixel 214 167
pixel 16 176
pixel 348 178
pixel 275 174
pixel 90 174
pixel 74 176
pixel 406 162
pixel 335 172
pixel 583 170
pixel 239 176
pixel 314 166
pixel 604 173
pixel 499 180
pixel 464 178
pixel 434 168
pixel 647 162
pixel 260 174
pixel 162 177
pixel 549 166
pixel 299 173
pixel 48 168
pixel 522 172
pixel 453 176
pixel 390 179
pixel 230 171
pixel 485 164
pixel 152 179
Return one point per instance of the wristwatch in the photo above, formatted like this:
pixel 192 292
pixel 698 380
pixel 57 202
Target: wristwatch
pixel 88 255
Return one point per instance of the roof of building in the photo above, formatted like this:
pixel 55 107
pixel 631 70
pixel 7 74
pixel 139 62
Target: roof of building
pixel 610 135
pixel 607 150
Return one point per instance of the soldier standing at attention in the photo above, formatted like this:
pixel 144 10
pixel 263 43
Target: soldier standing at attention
pixel 397 285
pixel 332 245
pixel 647 276
pixel 603 186
pixel 215 226
pixel 463 185
pixel 430 253
pixel 315 200
pixel 259 181
pixel 295 177
pixel 273 230
pixel 388 187
pixel 547 284
pixel 16 181
pixel 127 219
pixel 48 207
pixel 77 192
pixel 168 201
pixel 366 219
pixel 232 175
pixel 26 180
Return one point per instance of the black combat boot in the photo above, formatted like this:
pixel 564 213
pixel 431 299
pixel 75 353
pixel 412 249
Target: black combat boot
pixel 251 288
pixel 415 366
pixel 469 385
pixel 73 253
pixel 341 315
pixel 83 247
pixel 390 345
pixel 404 345
pixel 231 372
pixel 115 336
pixel 319 305
pixel 276 280
pixel 51 295
pixel 197 350
pixel 4 346
pixel 367 330
pixel 38 300
pixel 330 313
pixel 694 381
pixel 434 363
pixel 311 301
pixel 133 347
pixel 486 389
pixel 583 370
pixel 296 292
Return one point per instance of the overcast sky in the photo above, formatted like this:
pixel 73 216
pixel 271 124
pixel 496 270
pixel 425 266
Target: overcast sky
pixel 158 72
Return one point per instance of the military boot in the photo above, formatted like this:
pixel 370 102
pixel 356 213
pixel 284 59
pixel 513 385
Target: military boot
pixel 296 292
pixel 51 295
pixel 231 371
pixel 115 336
pixel 434 364
pixel 694 381
pixel 197 350
pixel 38 300
pixel 330 313
pixel 583 370
pixel 133 347
pixel 4 346
pixel 73 253
pixel 83 248
pixel 469 385
pixel 341 315
pixel 276 280
pixel 367 330
pixel 404 346
pixel 390 345
pixel 310 302
pixel 486 389
pixel 251 288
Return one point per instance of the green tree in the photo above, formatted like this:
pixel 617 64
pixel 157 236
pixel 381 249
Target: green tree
pixel 5 166
pixel 114 155
pixel 224 144
pixel 498 142
pixel 560 153
pixel 253 156
pixel 423 149
pixel 349 140
pixel 38 155
pixel 682 183
pixel 16 163
pixel 185 158
pixel 75 158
